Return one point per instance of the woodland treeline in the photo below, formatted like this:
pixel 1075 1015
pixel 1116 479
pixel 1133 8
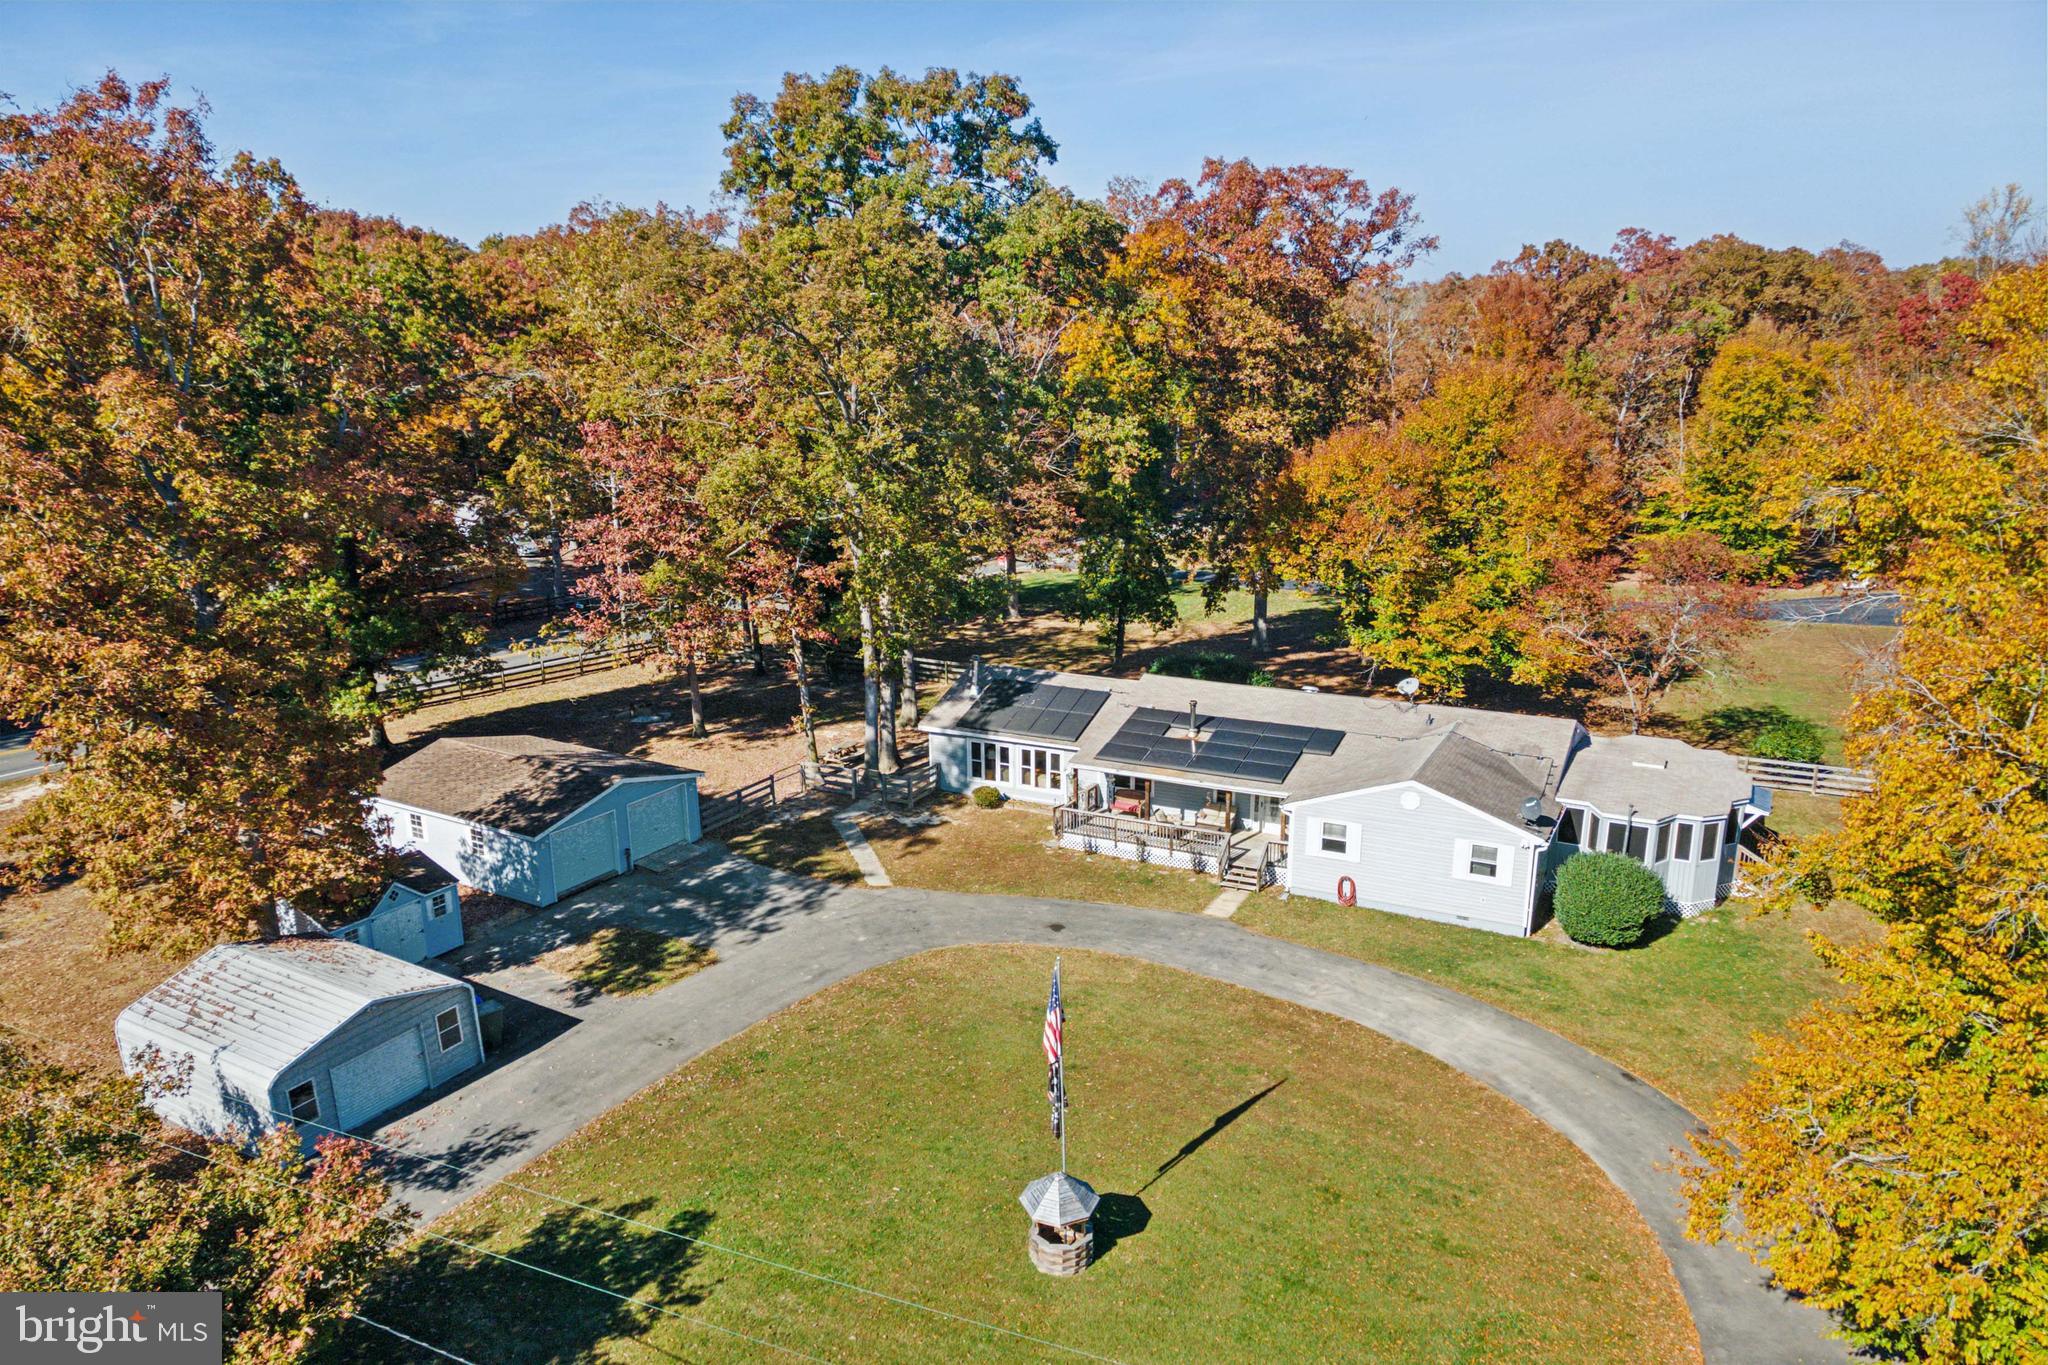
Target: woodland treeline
pixel 248 445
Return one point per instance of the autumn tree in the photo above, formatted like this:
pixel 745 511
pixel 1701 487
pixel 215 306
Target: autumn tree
pixel 96 1195
pixel 1434 533
pixel 1889 1157
pixel 173 492
pixel 1258 263
pixel 1689 605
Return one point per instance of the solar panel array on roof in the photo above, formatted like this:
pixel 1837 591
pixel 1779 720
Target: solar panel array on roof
pixel 1021 707
pixel 1256 750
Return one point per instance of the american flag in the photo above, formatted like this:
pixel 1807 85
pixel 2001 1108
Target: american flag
pixel 1055 1025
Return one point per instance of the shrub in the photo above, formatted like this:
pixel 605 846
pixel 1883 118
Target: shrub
pixel 988 798
pixel 1791 738
pixel 1210 665
pixel 1607 899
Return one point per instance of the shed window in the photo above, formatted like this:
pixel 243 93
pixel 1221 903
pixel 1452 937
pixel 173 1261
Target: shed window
pixel 1484 861
pixel 448 1023
pixel 437 904
pixel 1710 841
pixel 1685 843
pixel 1336 838
pixel 419 826
pixel 353 935
pixel 304 1102
pixel 1663 842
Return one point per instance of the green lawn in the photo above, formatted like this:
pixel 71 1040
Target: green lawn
pixel 992 852
pixel 1808 671
pixel 1278 1185
pixel 1679 1011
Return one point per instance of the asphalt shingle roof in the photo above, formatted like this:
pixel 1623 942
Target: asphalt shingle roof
pixel 521 783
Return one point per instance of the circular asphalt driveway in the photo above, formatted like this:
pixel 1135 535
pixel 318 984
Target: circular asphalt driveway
pixel 781 938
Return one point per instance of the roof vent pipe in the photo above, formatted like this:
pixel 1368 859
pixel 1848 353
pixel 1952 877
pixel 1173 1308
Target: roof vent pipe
pixel 1193 722
pixel 974 677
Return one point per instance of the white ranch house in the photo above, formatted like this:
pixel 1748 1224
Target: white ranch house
pixel 317 1030
pixel 533 819
pixel 1441 812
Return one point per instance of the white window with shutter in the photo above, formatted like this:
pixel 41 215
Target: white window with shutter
pixel 1476 860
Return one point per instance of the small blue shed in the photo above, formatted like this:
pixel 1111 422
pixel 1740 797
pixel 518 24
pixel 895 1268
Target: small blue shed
pixel 534 819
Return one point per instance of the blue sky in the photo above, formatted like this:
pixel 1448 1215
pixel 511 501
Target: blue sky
pixel 1788 124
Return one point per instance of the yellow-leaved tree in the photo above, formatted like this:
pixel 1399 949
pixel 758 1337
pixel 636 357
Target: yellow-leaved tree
pixel 1889 1157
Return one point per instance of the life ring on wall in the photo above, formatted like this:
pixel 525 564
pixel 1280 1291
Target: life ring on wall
pixel 1347 891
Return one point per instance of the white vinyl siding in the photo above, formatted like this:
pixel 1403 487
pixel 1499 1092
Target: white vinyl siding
pixel 1029 772
pixel 1407 861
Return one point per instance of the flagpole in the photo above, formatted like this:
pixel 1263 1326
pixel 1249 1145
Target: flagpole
pixel 1062 1064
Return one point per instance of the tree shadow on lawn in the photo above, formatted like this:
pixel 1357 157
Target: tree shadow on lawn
pixel 487 1309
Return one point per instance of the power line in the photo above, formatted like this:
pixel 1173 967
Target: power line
pixel 539 1269
pixel 818 1276
pixel 415 1341
pixel 772 1264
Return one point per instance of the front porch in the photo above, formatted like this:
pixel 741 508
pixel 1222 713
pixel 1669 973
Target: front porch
pixel 1250 857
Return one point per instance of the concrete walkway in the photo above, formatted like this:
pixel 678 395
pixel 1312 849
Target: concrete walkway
pixel 781 938
pixel 864 856
pixel 1226 903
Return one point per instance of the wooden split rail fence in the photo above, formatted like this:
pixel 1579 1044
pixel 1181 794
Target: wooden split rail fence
pixel 1821 779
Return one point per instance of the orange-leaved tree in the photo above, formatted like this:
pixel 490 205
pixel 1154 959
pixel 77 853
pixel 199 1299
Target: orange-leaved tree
pixel 1889 1158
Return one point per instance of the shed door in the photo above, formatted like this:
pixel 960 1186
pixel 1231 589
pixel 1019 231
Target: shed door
pixel 390 1073
pixel 585 852
pixel 654 822
pixel 402 931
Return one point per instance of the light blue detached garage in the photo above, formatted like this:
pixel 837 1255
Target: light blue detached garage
pixel 534 819
pixel 314 1029
pixel 417 916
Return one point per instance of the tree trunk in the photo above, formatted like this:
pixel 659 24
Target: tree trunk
pixel 754 635
pixel 805 716
pixel 871 692
pixel 1013 610
pixel 697 730
pixel 1116 640
pixel 889 761
pixel 381 735
pixel 556 593
pixel 910 685
pixel 1262 631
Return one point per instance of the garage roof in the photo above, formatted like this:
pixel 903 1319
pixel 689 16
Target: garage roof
pixel 266 1003
pixel 520 783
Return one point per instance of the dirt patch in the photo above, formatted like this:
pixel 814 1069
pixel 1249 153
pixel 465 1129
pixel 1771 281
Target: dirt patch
pixel 751 717
pixel 58 985
pixel 622 960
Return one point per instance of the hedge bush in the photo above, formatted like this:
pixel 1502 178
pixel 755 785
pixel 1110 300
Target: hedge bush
pixel 988 798
pixel 1607 899
pixel 1210 665
pixel 1791 738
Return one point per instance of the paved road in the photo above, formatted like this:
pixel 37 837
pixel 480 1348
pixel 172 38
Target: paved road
pixel 16 758
pixel 780 938
pixel 1870 609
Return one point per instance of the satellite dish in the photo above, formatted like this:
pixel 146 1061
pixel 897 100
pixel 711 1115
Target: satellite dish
pixel 1408 687
pixel 1532 809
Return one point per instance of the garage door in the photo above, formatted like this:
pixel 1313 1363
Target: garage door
pixel 585 852
pixel 390 1073
pixel 655 822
